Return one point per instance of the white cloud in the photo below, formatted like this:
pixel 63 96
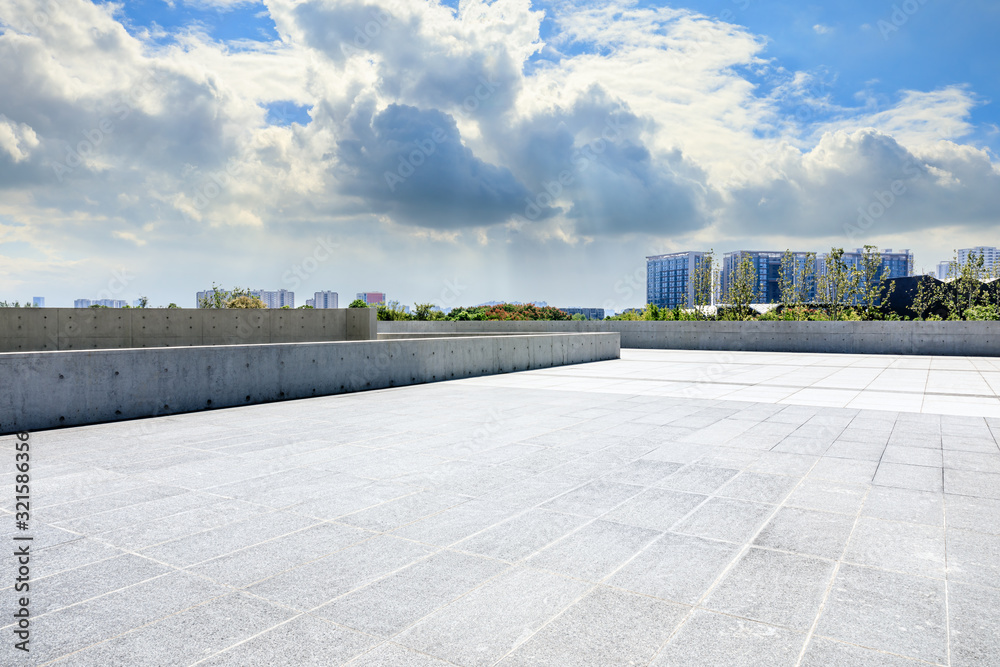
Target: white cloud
pixel 821 29
pixel 124 148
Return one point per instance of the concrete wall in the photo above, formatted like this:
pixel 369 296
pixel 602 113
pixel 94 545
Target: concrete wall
pixel 44 329
pixel 42 390
pixel 922 338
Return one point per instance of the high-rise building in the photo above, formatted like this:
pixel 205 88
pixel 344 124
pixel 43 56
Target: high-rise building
pixel 311 303
pixel 670 278
pixel 767 267
pixel 107 303
pixel 893 264
pixel 270 298
pixel 276 298
pixel 371 298
pixel 944 270
pixel 325 300
pixel 38 301
pixel 991 257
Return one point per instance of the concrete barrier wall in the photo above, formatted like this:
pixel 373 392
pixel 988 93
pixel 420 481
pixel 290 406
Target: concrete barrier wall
pixel 919 338
pixel 44 329
pixel 42 390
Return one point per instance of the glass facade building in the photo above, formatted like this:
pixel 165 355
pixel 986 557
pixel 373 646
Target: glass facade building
pixel 670 279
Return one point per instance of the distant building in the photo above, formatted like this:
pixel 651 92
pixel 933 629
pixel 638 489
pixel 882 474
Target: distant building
pixel 893 264
pixel 589 313
pixel 767 266
pixel 944 270
pixel 325 300
pixel 107 303
pixel 311 303
pixel 371 298
pixel 270 298
pixel 38 301
pixel 991 257
pixel 670 278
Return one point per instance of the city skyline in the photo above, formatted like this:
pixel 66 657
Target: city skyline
pixel 499 150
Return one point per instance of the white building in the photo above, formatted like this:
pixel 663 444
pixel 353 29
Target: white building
pixel 325 300
pixel 107 303
pixel 944 270
pixel 271 298
pixel 991 257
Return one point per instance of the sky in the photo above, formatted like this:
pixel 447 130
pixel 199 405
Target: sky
pixel 468 151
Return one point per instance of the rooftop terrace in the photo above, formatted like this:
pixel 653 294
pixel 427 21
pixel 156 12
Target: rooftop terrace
pixel 668 508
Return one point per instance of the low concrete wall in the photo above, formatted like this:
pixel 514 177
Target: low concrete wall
pixel 43 329
pixel 919 338
pixel 42 390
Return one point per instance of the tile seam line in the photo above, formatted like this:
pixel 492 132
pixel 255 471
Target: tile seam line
pixel 729 567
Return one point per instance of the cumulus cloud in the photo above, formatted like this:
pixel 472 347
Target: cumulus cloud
pixel 458 130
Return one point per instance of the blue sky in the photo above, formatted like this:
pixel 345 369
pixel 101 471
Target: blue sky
pixel 200 141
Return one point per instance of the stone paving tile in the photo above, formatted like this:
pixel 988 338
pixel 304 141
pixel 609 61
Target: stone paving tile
pixel 825 653
pixel 304 640
pixel 188 636
pixel 904 547
pixel 394 655
pixel 714 640
pixel 656 509
pixel 975 625
pixel 593 499
pixel 485 625
pixel 580 477
pixel 318 581
pixel 72 586
pixel 725 519
pixel 523 535
pixel 903 476
pixel 973 558
pixel 244 567
pixel 773 587
pixel 884 502
pixel 827 496
pixel 970 513
pixel 970 483
pixel 808 532
pixel 868 607
pixel 395 602
pixel 758 487
pixel 698 478
pixel 594 551
pixel 607 627
pixel 676 567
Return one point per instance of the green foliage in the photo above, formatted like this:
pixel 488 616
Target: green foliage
pixel 579 317
pixel 741 290
pixel 869 277
pixel 306 307
pixel 838 284
pixel 428 311
pixel 926 297
pixel 16 304
pixel 245 301
pixel 173 305
pixel 143 302
pixel 507 311
pixel 704 279
pixel 980 313
pixel 358 303
pixel 391 312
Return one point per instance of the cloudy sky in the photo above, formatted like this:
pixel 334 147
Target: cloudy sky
pixel 462 151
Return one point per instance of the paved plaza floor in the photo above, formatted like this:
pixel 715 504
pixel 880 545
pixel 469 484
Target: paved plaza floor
pixel 669 508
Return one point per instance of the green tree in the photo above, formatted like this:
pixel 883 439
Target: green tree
pixel 217 298
pixel 392 311
pixel 838 284
pixel 704 280
pixel 358 303
pixel 306 307
pixel 143 302
pixel 173 305
pixel 427 311
pixel 926 297
pixel 245 301
pixel 871 272
pixel 741 288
